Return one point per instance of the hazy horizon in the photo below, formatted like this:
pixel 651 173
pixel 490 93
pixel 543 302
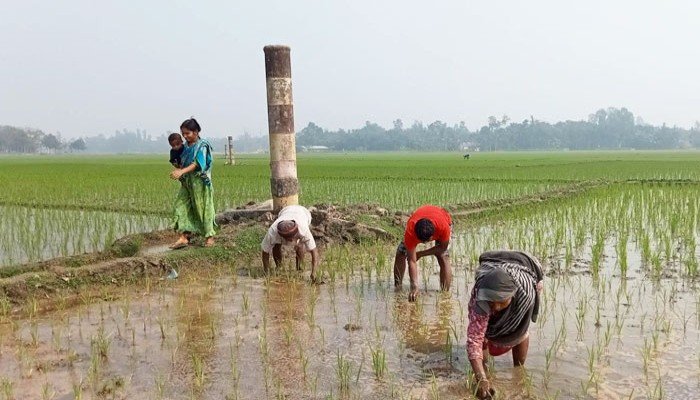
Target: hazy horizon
pixel 84 68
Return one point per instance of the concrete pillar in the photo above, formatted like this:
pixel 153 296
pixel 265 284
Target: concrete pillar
pixel 231 160
pixel 280 116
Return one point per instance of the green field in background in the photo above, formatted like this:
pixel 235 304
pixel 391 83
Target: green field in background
pixel 140 184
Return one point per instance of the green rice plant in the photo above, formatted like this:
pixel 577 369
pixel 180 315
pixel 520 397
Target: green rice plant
pixel 5 306
pixel 56 338
pixel 549 356
pixel 527 382
pixel 621 249
pixel 304 361
pixel 100 344
pixel 343 373
pixel 26 361
pixel 379 365
pixel 646 248
pixel 8 388
pixel 597 254
pixel 161 326
pixel 47 392
pixel 434 390
pixel 198 370
pixel 78 389
pixel 658 390
pixel 245 304
pixel 159 382
pixel 646 355
pixel 95 370
pixel 581 317
pixel 656 265
pixel 691 261
pixel 34 333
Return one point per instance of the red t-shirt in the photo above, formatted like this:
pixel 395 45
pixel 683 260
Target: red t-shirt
pixel 438 216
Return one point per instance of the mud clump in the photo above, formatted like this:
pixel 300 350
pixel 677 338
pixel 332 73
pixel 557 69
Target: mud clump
pixel 126 247
pixel 352 327
pixel 329 223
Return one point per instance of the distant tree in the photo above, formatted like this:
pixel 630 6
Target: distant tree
pixel 494 123
pixel 504 120
pixel 51 142
pixel 78 145
pixel 695 135
pixel 19 140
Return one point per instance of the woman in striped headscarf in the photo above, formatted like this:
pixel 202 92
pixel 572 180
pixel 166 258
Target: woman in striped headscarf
pixel 504 300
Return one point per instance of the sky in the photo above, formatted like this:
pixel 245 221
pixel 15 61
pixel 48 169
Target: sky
pixel 84 68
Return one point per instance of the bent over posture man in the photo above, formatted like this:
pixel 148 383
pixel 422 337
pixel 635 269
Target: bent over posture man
pixel 291 227
pixel 426 224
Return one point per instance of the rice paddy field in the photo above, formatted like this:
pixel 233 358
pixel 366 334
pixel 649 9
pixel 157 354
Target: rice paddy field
pixel 620 317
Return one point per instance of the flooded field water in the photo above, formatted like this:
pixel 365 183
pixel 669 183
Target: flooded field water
pixel 280 338
pixel 619 320
pixel 36 234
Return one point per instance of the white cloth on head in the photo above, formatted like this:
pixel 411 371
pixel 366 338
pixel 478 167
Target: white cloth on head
pixel 298 214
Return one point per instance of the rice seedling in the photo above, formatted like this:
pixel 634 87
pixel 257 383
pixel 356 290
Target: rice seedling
pixel 198 370
pixel 434 389
pixel 581 317
pixel 161 327
pixel 5 307
pixel 77 387
pixel 304 361
pixel 343 373
pixel 245 304
pixel 7 387
pixel 34 333
pixel 56 338
pixel 379 365
pixel 646 355
pixel 47 392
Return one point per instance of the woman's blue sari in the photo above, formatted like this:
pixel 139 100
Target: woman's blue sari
pixel 200 152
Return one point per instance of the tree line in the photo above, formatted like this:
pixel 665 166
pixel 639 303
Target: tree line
pixel 611 128
pixel 27 140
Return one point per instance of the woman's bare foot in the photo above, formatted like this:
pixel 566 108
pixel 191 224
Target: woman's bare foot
pixel 181 242
pixel 209 242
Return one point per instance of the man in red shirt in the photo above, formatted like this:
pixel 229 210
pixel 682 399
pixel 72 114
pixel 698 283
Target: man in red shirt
pixel 426 224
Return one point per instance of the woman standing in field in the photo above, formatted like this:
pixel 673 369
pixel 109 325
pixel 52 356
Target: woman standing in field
pixel 194 205
pixel 505 298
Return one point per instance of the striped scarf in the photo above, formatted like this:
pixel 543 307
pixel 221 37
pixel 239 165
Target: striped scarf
pixel 508 326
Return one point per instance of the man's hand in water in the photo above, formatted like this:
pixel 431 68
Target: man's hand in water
pixel 413 294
